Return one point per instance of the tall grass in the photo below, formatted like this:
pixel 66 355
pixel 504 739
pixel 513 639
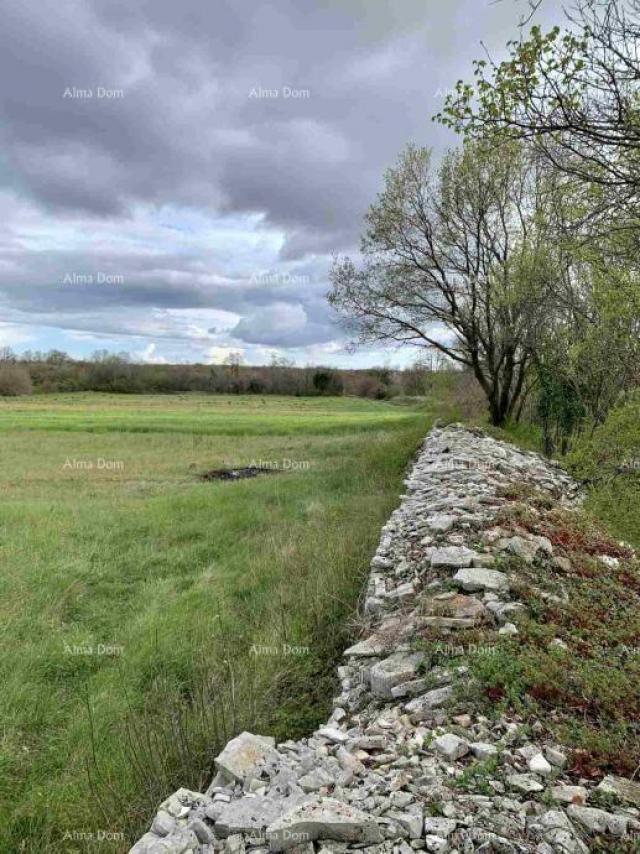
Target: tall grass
pixel 227 605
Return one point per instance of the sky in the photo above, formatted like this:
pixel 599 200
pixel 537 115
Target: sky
pixel 175 177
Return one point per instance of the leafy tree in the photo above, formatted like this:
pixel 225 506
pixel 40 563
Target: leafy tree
pixel 326 381
pixel 574 93
pixel 457 260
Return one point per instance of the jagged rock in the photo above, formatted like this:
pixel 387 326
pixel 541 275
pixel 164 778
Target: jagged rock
pixel 454 605
pixel 569 794
pixel 163 824
pixel 369 647
pixel 475 578
pixel 503 610
pixel 452 557
pixel 323 819
pixel 179 804
pixel 234 845
pixel 441 522
pixel 181 842
pixel 251 814
pixel 528 751
pixel 556 829
pixel 451 746
pixel 599 821
pixel 539 765
pixel 144 843
pixel 544 544
pixel 526 550
pixel 398 668
pixel 316 779
pixel 483 751
pixel 626 790
pixel 509 630
pixel 435 699
pixel 439 826
pixel 337 736
pixel 556 757
pixel 524 783
pixel 409 689
pixel 244 755
pixel 388 638
pixel 201 831
pixel 412 822
pixel 436 844
pixel 371 742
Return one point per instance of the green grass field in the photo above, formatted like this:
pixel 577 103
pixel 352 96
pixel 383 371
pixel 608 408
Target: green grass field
pixel 214 415
pixel 146 616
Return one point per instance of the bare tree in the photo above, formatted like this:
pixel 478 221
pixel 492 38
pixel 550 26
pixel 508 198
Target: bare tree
pixel 456 261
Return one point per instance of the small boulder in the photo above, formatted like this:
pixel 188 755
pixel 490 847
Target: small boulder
pixel 524 783
pixel 599 821
pixel 482 750
pixel 475 578
pixel 452 557
pixel 422 706
pixel 451 746
pixel 570 794
pixel 398 668
pixel 244 755
pixel 325 818
pixel 539 765
pixel 626 790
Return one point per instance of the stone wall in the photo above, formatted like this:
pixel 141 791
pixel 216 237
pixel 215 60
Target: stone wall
pixel 378 776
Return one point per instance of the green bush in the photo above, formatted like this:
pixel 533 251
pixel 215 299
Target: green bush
pixel 612 449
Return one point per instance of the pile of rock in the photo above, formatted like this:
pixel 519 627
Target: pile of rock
pixel 406 763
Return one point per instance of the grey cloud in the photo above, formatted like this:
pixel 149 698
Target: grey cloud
pixel 282 325
pixel 187 134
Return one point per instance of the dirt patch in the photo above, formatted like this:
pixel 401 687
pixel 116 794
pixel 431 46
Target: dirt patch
pixel 236 474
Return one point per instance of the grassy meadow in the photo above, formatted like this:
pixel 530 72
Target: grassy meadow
pixel 146 616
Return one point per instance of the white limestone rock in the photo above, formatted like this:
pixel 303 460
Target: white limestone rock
pixel 569 794
pixel 539 765
pixel 244 755
pixel 394 670
pixel 452 557
pixel 451 746
pixel 325 818
pixel 475 578
pixel 598 821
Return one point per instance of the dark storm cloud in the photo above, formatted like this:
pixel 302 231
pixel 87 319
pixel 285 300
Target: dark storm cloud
pixel 285 109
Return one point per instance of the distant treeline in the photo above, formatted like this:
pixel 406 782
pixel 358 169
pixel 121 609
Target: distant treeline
pixel 117 373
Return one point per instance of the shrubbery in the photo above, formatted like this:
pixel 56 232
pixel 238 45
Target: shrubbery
pixel 613 448
pixel 116 373
pixel 14 380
